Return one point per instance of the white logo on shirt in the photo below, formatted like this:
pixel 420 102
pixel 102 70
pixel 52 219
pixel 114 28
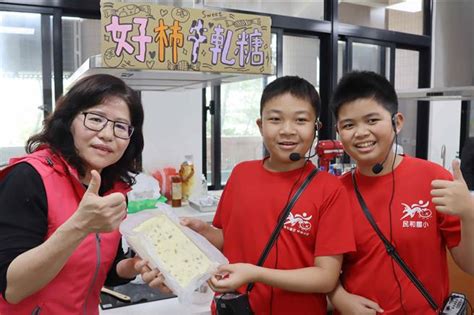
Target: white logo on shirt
pixel 415 216
pixel 298 223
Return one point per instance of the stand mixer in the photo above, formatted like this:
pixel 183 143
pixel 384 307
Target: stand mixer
pixel 327 150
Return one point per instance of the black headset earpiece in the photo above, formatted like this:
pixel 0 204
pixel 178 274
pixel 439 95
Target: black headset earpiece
pixel 394 123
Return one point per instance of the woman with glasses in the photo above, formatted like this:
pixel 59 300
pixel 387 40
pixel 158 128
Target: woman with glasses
pixel 61 205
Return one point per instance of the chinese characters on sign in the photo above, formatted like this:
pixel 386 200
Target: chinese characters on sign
pixel 150 36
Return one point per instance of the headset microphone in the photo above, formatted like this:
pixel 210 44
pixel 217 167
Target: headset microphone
pixel 377 168
pixel 295 156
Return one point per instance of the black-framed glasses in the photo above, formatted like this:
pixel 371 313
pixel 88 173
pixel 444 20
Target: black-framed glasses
pixel 97 122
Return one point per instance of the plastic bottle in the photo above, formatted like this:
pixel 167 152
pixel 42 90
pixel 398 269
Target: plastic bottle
pixel 186 171
pixel 176 191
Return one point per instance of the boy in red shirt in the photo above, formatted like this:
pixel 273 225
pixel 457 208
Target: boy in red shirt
pixel 397 191
pixel 305 261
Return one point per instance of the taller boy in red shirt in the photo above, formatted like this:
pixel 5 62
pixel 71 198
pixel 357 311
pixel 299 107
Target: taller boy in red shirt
pixel 398 197
pixel 305 261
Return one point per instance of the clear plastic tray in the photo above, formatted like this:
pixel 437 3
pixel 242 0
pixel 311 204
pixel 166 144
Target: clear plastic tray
pixel 185 258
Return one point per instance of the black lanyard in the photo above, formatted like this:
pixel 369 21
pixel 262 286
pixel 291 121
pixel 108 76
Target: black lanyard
pixel 391 250
pixel 280 224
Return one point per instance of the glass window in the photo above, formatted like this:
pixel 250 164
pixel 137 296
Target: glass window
pixel 208 137
pixel 240 108
pixel 366 57
pixel 81 39
pixel 240 137
pixel 399 15
pixel 341 59
pixel 406 69
pixel 297 8
pixel 301 58
pixel 21 80
pixel 406 77
pixel 371 57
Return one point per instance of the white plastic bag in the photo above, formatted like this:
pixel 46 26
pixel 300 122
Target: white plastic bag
pixel 145 193
pixel 183 250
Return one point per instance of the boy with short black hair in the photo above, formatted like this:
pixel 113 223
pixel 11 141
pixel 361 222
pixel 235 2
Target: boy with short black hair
pixel 305 261
pixel 397 191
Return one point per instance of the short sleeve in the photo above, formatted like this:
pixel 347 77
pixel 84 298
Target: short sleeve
pixel 335 234
pixel 224 202
pixel 450 227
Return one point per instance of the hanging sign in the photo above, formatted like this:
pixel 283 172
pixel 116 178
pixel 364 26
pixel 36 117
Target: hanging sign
pixel 151 36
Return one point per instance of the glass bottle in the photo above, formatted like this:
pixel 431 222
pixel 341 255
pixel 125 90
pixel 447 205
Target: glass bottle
pixel 176 191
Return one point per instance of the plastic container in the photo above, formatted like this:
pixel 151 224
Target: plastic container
pixel 185 258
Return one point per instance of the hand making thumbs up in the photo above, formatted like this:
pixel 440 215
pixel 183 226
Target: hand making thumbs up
pixel 453 197
pixel 99 214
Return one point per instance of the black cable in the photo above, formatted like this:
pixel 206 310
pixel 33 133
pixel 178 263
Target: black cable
pixel 390 223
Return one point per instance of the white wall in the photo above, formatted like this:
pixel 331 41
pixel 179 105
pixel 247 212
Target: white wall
pixel 172 129
pixel 445 123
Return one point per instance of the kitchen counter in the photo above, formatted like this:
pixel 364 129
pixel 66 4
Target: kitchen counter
pixel 188 211
pixel 163 307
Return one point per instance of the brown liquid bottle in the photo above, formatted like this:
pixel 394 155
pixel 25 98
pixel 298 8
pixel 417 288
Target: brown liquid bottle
pixel 176 191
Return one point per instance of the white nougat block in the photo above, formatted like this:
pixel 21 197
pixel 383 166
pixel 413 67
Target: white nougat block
pixel 180 256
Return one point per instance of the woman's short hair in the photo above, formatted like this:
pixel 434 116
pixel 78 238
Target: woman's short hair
pixel 88 92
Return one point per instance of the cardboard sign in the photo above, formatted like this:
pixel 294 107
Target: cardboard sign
pixel 151 36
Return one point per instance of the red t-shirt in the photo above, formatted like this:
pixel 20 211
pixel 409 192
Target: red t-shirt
pixel 419 232
pixel 319 224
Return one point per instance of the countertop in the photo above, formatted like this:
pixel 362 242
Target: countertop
pixel 188 211
pixel 163 307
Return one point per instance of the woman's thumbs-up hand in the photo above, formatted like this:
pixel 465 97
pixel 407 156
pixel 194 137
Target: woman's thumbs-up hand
pixel 99 214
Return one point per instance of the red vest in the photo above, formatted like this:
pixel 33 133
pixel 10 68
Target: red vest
pixel 76 288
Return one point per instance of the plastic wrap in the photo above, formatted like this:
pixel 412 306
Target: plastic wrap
pixel 185 258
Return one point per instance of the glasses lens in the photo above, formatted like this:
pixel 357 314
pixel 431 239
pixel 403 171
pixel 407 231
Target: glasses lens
pixel 98 122
pixel 122 130
pixel 94 122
